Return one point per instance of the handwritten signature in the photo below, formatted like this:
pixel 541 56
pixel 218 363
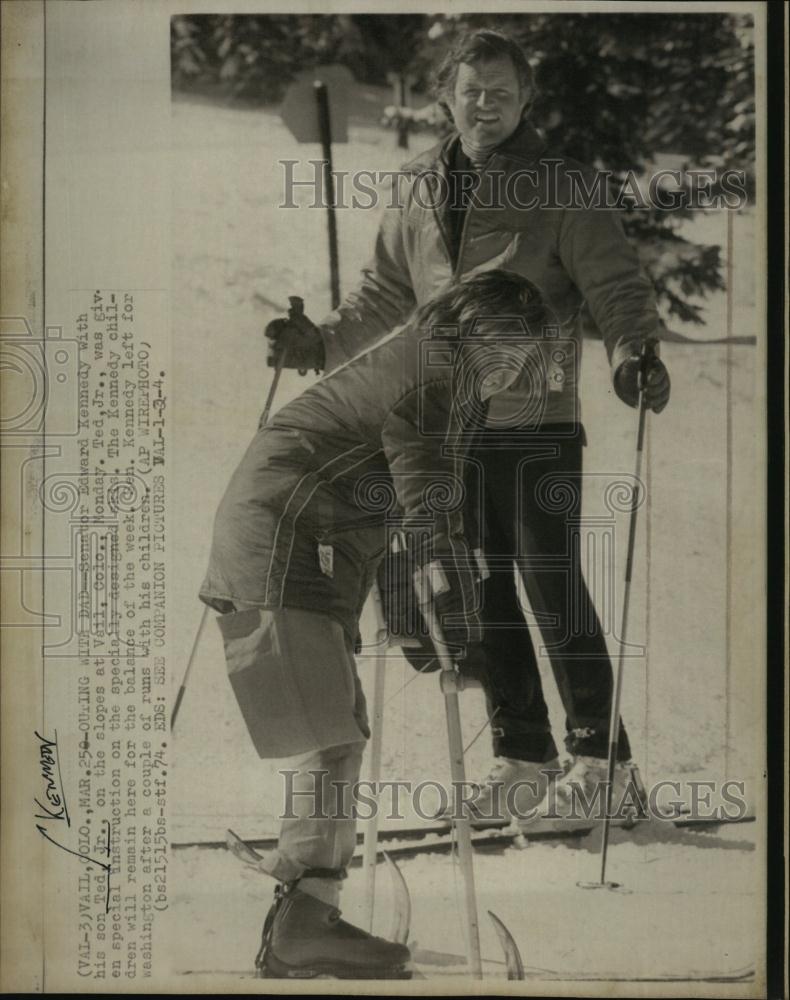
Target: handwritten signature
pixel 49 765
pixel 54 806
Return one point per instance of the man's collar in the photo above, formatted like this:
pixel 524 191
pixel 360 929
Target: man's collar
pixel 525 145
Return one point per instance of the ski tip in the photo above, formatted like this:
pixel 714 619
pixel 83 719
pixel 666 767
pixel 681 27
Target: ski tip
pixel 240 850
pixel 401 909
pixel 515 966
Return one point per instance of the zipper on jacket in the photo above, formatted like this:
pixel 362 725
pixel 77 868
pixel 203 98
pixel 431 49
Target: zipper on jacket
pixel 462 241
pixel 443 232
pixel 459 259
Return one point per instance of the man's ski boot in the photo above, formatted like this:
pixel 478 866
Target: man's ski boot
pixel 511 789
pixel 303 938
pixel 578 797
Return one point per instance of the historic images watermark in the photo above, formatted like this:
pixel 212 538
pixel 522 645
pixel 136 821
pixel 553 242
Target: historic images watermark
pixel 551 184
pixel 308 794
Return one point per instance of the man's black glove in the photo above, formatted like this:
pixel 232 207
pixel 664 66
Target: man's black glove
pixel 454 574
pixel 647 372
pixel 299 338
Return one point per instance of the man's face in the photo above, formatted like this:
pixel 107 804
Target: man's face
pixel 487 101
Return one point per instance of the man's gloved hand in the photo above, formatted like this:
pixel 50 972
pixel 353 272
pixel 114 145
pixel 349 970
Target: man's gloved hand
pixel 454 576
pixel 650 374
pixel 300 339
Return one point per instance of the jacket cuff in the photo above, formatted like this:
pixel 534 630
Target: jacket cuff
pixel 334 355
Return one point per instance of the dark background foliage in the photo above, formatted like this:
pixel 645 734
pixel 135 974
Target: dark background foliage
pixel 614 90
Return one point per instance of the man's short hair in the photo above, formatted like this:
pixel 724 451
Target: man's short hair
pixel 482 46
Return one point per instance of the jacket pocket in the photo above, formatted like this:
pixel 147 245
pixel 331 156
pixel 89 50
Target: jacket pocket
pixel 361 540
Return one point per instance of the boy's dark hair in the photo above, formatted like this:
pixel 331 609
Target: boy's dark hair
pixel 482 46
pixel 496 292
pixel 518 314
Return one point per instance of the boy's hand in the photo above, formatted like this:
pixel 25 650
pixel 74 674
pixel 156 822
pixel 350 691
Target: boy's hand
pixel 454 591
pixel 454 582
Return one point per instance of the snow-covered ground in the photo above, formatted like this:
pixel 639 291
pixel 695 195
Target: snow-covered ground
pixel 686 908
pixel 693 900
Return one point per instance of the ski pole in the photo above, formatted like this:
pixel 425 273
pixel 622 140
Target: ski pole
pixel 182 689
pixel 450 686
pixel 278 370
pixel 296 309
pixel 371 840
pixel 648 352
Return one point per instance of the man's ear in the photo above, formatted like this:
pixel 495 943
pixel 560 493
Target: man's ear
pixel 497 381
pixel 445 107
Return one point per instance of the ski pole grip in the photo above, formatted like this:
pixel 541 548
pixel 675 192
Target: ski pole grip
pixel 430 581
pixel 422 587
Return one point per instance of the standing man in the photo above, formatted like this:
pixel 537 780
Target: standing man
pixel 491 195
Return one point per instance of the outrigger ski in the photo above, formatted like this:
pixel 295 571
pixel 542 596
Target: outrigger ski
pixel 402 905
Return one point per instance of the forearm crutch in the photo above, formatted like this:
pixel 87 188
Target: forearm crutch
pixel 370 848
pixel 450 684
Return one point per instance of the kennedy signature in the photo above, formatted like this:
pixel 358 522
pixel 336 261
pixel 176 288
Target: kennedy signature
pixel 49 763
pixel 55 808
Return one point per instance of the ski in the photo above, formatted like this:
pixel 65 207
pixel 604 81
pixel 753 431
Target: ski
pixel 740 975
pixel 444 844
pixel 401 906
pixel 428 831
pixel 246 851
pixel 536 831
pixel 710 822
pixel 513 960
pixel 424 960
pixel 252 974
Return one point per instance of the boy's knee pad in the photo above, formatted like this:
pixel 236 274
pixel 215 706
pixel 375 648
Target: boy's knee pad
pixel 294 679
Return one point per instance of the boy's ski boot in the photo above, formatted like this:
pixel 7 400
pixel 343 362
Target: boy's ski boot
pixel 304 937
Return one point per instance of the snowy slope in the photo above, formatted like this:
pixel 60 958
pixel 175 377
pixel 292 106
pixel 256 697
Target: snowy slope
pixel 688 716
pixel 687 908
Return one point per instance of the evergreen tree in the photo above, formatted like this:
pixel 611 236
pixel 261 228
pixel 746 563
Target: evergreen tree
pixel 614 91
